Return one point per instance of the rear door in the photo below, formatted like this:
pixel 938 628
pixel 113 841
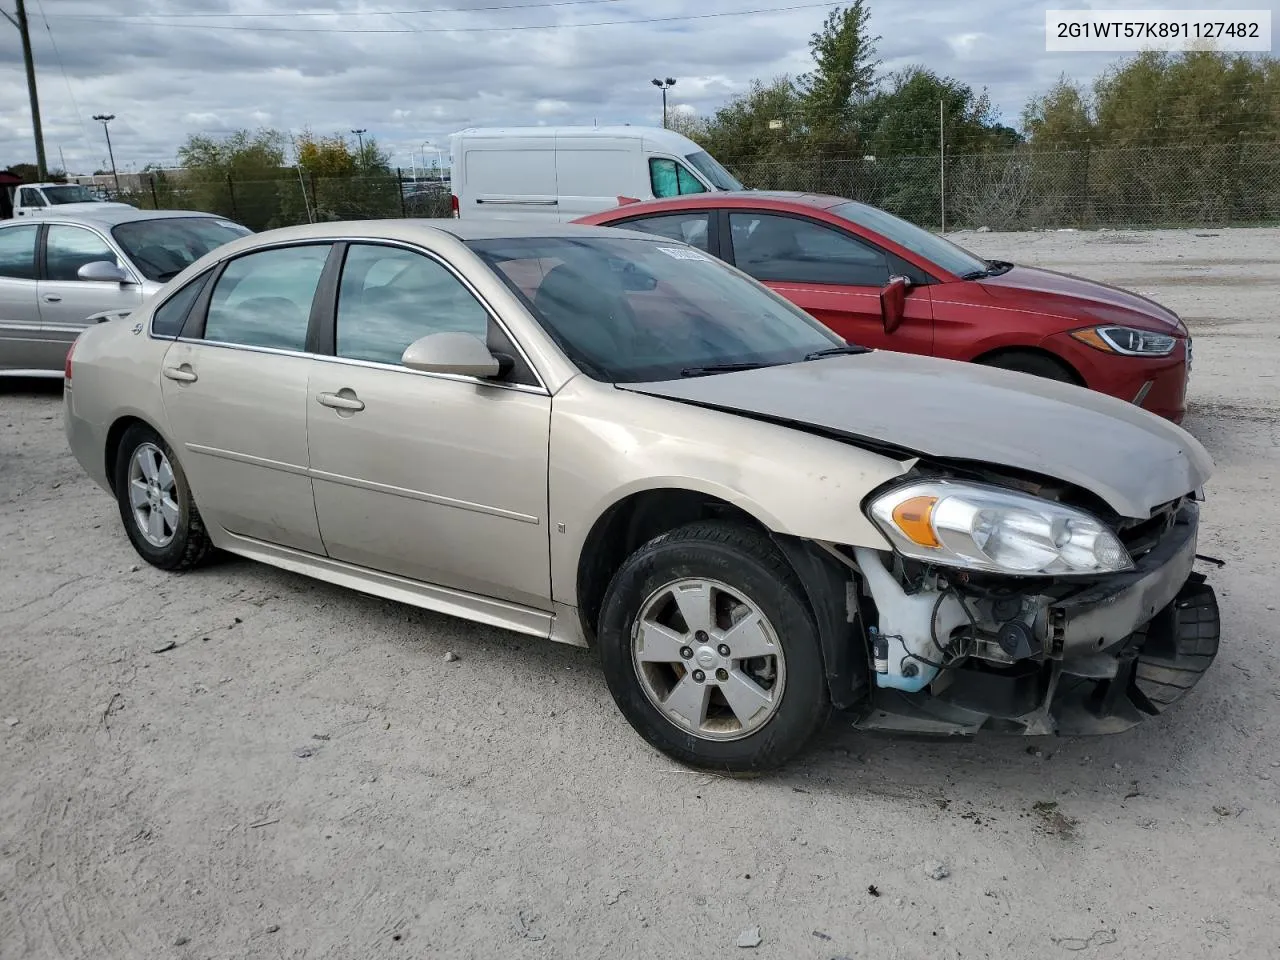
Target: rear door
pixel 22 342
pixel 66 301
pixel 235 391
pixel 831 274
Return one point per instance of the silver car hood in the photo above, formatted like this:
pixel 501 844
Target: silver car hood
pixel 1132 459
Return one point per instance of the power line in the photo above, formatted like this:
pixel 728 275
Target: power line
pixel 337 13
pixel 65 79
pixel 408 30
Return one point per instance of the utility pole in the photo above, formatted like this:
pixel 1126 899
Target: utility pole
pixel 20 21
pixel 360 137
pixel 104 119
pixel 664 86
pixel 942 167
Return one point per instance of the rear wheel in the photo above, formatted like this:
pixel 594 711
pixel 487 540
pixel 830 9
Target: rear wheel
pixel 1036 364
pixel 159 514
pixel 710 650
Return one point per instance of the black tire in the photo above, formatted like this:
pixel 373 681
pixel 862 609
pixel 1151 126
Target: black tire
pixel 190 544
pixel 747 561
pixel 1036 364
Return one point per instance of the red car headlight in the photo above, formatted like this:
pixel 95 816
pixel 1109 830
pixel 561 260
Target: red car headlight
pixel 1127 341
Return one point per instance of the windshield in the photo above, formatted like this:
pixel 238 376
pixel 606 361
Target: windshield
pixel 928 245
pixel 72 193
pixel 710 168
pixel 164 247
pixel 630 310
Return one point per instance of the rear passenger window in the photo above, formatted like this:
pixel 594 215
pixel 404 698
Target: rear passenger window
pixel 264 299
pixel 18 252
pixel 690 228
pixel 169 319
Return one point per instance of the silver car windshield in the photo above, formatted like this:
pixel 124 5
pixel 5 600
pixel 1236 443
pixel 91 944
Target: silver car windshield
pixel 164 247
pixel 628 310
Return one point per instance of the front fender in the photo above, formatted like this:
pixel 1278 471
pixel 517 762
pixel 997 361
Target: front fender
pixel 608 444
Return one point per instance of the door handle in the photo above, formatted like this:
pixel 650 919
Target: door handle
pixel 50 298
pixel 339 402
pixel 183 374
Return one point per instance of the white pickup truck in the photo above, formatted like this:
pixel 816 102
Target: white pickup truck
pixel 34 199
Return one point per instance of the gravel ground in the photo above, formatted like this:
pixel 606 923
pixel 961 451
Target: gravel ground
pixel 304 775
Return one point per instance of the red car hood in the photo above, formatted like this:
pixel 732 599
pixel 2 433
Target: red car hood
pixel 1063 295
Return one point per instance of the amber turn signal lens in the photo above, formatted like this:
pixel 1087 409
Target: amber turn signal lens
pixel 913 517
pixel 1093 339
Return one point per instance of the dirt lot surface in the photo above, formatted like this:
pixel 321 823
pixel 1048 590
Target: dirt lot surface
pixel 304 775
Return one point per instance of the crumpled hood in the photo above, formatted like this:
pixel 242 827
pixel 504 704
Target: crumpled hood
pixel 1132 459
pixel 1106 303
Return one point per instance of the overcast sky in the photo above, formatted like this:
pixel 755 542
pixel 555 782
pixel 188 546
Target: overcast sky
pixel 168 68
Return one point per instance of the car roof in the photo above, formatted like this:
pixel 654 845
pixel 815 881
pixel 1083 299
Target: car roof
pixel 774 199
pixel 110 216
pixel 406 228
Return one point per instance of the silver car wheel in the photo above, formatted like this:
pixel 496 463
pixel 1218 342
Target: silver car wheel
pixel 153 495
pixel 708 658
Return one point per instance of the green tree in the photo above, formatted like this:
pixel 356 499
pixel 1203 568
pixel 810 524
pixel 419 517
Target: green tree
pixel 1059 119
pixel 237 176
pixel 844 73
pixel 746 130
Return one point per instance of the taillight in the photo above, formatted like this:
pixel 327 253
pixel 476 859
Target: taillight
pixel 453 206
pixel 66 367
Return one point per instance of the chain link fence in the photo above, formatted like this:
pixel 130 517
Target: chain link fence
pixel 1218 185
pixel 262 204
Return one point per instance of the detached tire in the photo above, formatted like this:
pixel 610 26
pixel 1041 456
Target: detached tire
pixel 1036 364
pixel 159 514
pixel 710 649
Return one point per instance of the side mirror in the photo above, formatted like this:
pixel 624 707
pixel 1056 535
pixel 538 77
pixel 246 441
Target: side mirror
pixel 461 354
pixel 103 271
pixel 893 303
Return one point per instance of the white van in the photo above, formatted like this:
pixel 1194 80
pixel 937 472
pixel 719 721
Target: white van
pixel 562 173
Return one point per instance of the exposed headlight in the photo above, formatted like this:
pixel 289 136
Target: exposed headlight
pixel 1128 341
pixel 980 527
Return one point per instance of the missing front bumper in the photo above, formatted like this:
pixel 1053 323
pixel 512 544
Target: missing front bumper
pixel 1150 670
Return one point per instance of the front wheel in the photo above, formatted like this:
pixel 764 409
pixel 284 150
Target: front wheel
pixel 1036 364
pixel 710 649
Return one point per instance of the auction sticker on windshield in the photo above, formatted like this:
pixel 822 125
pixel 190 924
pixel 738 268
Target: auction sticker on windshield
pixel 682 254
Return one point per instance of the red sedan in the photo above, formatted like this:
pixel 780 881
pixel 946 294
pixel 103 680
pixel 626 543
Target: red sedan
pixel 880 281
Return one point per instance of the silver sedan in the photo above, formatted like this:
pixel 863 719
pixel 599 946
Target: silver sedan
pixel 613 439
pixel 60 271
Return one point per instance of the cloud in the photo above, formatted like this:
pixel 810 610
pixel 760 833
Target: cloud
pixel 166 73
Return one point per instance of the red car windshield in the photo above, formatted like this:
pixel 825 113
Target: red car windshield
pixel 937 250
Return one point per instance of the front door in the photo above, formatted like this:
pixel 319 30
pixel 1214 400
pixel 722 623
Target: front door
pixel 435 478
pixel 66 301
pixel 237 396
pixel 831 275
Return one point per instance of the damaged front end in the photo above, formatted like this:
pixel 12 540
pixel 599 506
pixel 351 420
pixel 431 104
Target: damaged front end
pixel 1032 610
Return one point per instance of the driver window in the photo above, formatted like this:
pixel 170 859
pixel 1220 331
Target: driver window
pixel 389 297
pixel 68 248
pixel 670 179
pixel 796 250
pixel 32 198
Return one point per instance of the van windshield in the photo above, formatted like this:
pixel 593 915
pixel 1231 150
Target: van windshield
pixel 710 168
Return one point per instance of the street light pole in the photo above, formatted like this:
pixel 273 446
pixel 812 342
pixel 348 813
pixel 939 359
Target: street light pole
pixel 664 86
pixel 360 137
pixel 104 119
pixel 20 21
